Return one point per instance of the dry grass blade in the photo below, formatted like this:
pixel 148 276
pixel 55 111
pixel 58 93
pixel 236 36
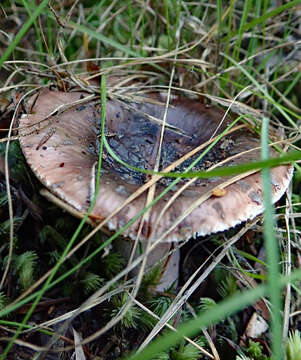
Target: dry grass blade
pixel 79 352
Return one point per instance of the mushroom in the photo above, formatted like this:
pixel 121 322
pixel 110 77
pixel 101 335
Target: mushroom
pixel 60 140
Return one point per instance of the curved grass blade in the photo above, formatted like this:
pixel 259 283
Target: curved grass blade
pixel 272 250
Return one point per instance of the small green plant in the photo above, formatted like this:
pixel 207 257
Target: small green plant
pixel 91 282
pixel 131 317
pixel 50 234
pixel 255 351
pixel 24 267
pixel 3 198
pixel 228 326
pixel 206 303
pixel 112 264
pixel 160 304
pixel 293 346
pixel 227 287
pixel 183 352
pixel 54 256
pixel 188 351
pixel 4 227
pixel 3 300
pixel 150 280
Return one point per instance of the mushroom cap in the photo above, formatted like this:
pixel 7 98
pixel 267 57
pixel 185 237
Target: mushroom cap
pixel 62 150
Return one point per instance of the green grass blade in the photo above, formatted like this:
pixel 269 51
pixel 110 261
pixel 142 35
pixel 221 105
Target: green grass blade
pixel 95 10
pixel 290 86
pixel 220 16
pixel 241 30
pixel 98 36
pixel 272 251
pixel 16 324
pixel 167 24
pixel 249 256
pixel 130 12
pixel 178 6
pixel 29 9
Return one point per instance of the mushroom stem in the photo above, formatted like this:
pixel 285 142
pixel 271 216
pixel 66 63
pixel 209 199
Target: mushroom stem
pixel 170 263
